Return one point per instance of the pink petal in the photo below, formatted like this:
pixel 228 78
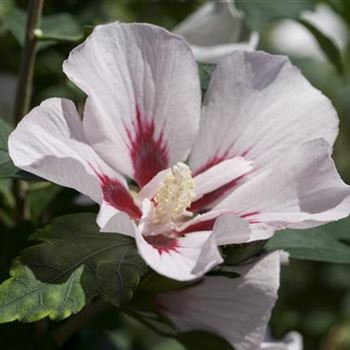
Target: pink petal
pixel 184 258
pixel 258 106
pixel 221 174
pixel 237 309
pixel 140 116
pixel 50 142
pixel 302 190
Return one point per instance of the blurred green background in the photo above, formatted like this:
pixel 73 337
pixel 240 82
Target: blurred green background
pixel 314 297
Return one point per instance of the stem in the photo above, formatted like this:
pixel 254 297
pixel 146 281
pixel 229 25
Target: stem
pixel 24 92
pixel 76 322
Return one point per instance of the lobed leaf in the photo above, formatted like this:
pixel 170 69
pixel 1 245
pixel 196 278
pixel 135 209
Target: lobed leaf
pixel 112 266
pixel 24 298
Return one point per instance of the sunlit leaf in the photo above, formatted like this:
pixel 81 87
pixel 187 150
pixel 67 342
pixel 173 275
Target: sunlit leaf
pixel 24 298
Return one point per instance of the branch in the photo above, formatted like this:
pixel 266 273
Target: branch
pixel 24 91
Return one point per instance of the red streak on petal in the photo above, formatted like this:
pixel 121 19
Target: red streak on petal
pixel 211 162
pixel 243 216
pixel 216 159
pixel 117 196
pixel 206 225
pixel 162 243
pixel 149 154
pixel 208 199
pixel 247 215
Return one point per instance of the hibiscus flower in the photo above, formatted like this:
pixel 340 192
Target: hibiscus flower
pixel 255 158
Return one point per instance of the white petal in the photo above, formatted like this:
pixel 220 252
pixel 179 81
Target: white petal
pixel 184 258
pixel 231 229
pixel 50 142
pixel 213 54
pixel 142 113
pixel 258 106
pixel 302 190
pixel 112 220
pixel 220 174
pixel 215 30
pixel 228 227
pixel 149 190
pixel 237 309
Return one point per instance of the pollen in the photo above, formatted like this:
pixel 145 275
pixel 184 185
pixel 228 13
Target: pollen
pixel 174 195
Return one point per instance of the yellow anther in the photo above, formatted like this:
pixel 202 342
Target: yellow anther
pixel 174 195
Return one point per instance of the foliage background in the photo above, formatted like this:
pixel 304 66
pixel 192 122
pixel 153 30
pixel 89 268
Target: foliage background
pixel 314 297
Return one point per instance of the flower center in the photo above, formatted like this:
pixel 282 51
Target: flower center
pixel 174 195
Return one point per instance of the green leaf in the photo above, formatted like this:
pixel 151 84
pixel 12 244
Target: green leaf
pixel 118 278
pixel 260 13
pixel 203 340
pixel 326 44
pixel 113 267
pixel 15 22
pixel 24 298
pixel 60 27
pixel 238 253
pixel 319 244
pixel 40 195
pixel 53 29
